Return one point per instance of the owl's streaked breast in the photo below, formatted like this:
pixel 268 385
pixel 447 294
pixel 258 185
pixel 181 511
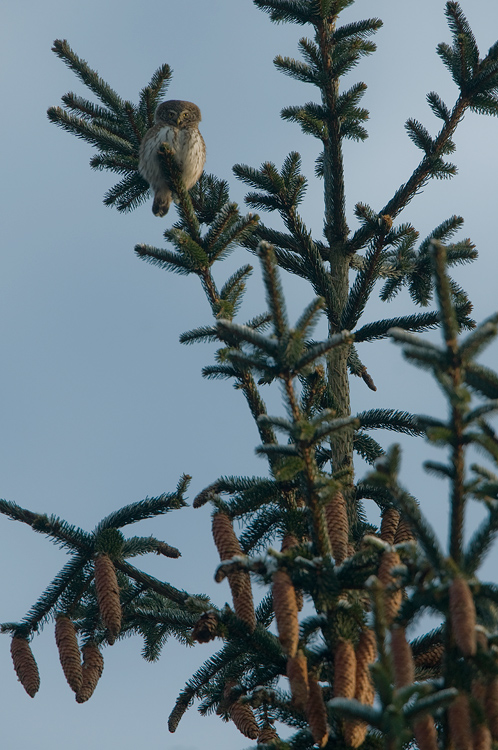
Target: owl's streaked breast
pixel 188 147
pixel 191 154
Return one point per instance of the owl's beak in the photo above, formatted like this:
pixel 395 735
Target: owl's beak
pixel 178 122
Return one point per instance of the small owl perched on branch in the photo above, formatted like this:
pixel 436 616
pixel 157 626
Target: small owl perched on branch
pixel 176 123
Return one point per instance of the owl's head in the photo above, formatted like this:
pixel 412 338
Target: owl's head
pixel 178 114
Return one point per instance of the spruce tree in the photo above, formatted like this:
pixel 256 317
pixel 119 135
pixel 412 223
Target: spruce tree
pixel 321 651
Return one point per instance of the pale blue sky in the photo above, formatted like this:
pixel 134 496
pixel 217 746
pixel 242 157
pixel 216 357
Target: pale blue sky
pixel 101 405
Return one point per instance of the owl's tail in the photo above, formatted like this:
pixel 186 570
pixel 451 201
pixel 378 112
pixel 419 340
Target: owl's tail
pixel 162 202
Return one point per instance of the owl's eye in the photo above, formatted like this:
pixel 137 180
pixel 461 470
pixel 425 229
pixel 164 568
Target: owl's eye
pixel 184 114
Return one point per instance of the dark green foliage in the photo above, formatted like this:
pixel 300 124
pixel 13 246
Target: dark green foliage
pixel 115 129
pixel 310 506
pixel 71 583
pixel 380 328
pixel 388 419
pixel 291 11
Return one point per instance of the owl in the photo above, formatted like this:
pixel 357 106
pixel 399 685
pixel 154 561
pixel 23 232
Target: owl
pixel 176 123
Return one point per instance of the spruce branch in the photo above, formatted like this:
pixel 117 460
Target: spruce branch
pixel 390 419
pixel 89 77
pixel 478 80
pixel 380 329
pixel 151 94
pixel 288 11
pixel 148 508
pixel 352 574
pixel 480 542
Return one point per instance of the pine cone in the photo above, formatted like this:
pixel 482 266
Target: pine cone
pixel 106 585
pixel 267 735
pixel 390 520
pixel 404 532
pixel 459 723
pixel 242 716
pixel 228 546
pixel 425 733
pixel 92 668
pixel 205 629
pixel 224 537
pixel 392 599
pixel 481 738
pixel 242 601
pixel 344 670
pixel 366 653
pixel 288 542
pixel 285 607
pixel 491 707
pixel 316 713
pixel 25 665
pixel 69 652
pixel 338 526
pixel 355 732
pixel 404 667
pixel 463 616
pixel 430 658
pixel 297 674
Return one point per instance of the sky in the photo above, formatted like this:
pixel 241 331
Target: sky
pixel 101 405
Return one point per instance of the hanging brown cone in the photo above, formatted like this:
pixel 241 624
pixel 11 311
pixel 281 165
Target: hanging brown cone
pixel 404 667
pixel 389 524
pixel 366 652
pixel 224 537
pixel 92 667
pixel 25 665
pixel 243 601
pixel 69 652
pixel 392 599
pixel 228 547
pixel 241 714
pixel 316 713
pixel 285 607
pixel 206 627
pixel 297 674
pixel 463 616
pixel 459 723
pixel 336 517
pixel 481 738
pixel 288 542
pixel 344 670
pixel 107 588
pixel 430 658
pixel 267 735
pixel 491 707
pixel 404 532
pixel 355 732
pixel 425 733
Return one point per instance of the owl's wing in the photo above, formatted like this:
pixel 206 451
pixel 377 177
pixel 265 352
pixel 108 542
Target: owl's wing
pixel 148 160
